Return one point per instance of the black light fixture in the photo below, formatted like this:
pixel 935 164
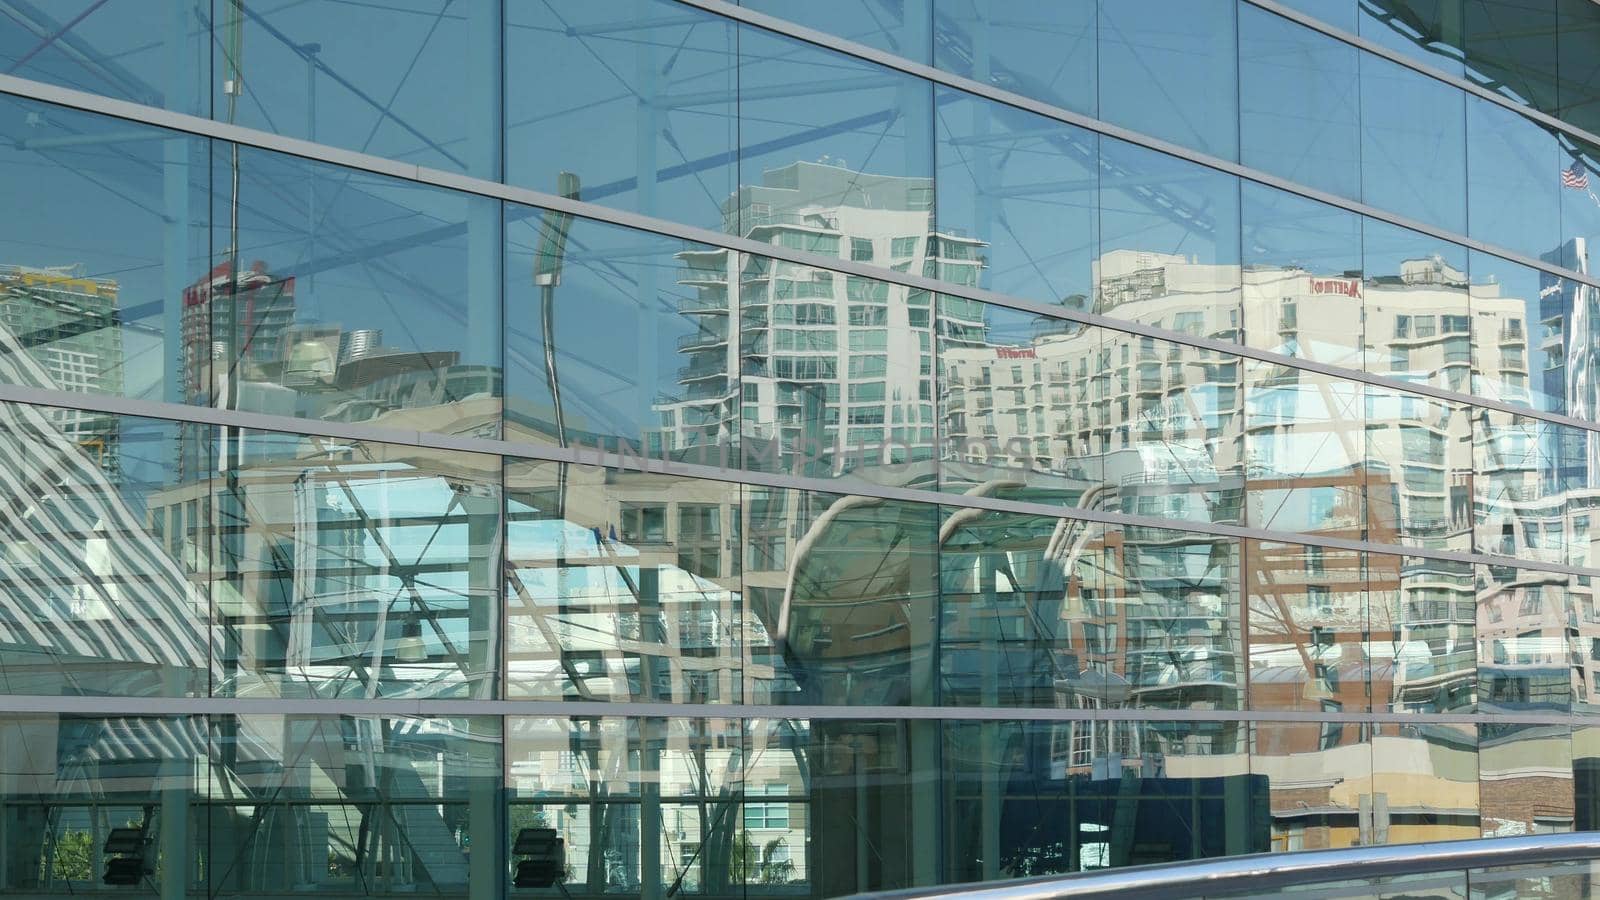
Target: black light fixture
pixel 127 863
pixel 546 858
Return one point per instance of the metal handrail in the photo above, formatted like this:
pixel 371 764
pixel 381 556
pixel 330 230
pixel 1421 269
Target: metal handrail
pixel 1264 872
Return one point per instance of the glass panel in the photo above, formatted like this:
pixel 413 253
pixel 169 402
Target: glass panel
pixel 1021 414
pixel 1302 280
pixel 1046 51
pixel 1418 470
pixel 1522 317
pixel 1168 69
pixel 823 138
pixel 1427 30
pixel 1299 115
pixel 621 585
pixel 1307 628
pixel 1413 153
pixel 1525 779
pixel 70 780
pixel 1579 91
pixel 1580 207
pixel 417 81
pixel 353 298
pixel 97 309
pixel 841 593
pixel 1424 783
pixel 1512 45
pixel 1317 775
pixel 1076 796
pixel 837 377
pixel 101 576
pixel 1421 615
pixel 1169 242
pixel 355 569
pixel 1526 659
pixel 872 788
pixel 115 49
pixel 619 340
pixel 1304 449
pixel 1019 615
pixel 1416 308
pixel 900 29
pixel 1025 188
pixel 1175 599
pixel 1518 507
pixel 645 117
pixel 645 804
pixel 1515 175
pixel 1168 418
pixel 361 806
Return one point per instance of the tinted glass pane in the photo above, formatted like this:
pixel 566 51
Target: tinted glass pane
pixel 621 585
pixel 1513 45
pixel 1174 598
pixel 1308 628
pixel 1081 795
pixel 667 806
pixel 1427 30
pixel 1302 279
pixel 361 806
pixel 1518 506
pixel 1413 151
pixel 1522 317
pixel 1022 405
pixel 1422 614
pixel 1418 470
pixel 1523 782
pixel 98 309
pixel 1305 448
pixel 1580 205
pixel 1019 611
pixel 841 592
pixel 1514 181
pixel 1175 450
pixel 416 80
pixel 1168 69
pixel 1428 779
pixel 1524 650
pixel 120 48
pixel 838 369
pixel 100 591
pixel 355 569
pixel 1024 186
pixel 825 137
pixel 71 780
pixel 901 28
pixel 1169 242
pixel 1417 321
pixel 619 339
pixel 644 120
pixel 1299 103
pixel 1579 90
pixel 353 297
pixel 1314 772
pixel 1047 51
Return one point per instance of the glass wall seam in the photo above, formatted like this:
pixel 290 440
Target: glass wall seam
pixel 479 187
pixel 612 462
pixel 970 86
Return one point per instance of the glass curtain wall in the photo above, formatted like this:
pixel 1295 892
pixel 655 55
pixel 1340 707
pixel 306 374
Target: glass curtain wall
pixel 660 448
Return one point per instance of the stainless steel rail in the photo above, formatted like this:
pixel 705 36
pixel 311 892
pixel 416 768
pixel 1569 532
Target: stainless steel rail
pixel 1264 872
